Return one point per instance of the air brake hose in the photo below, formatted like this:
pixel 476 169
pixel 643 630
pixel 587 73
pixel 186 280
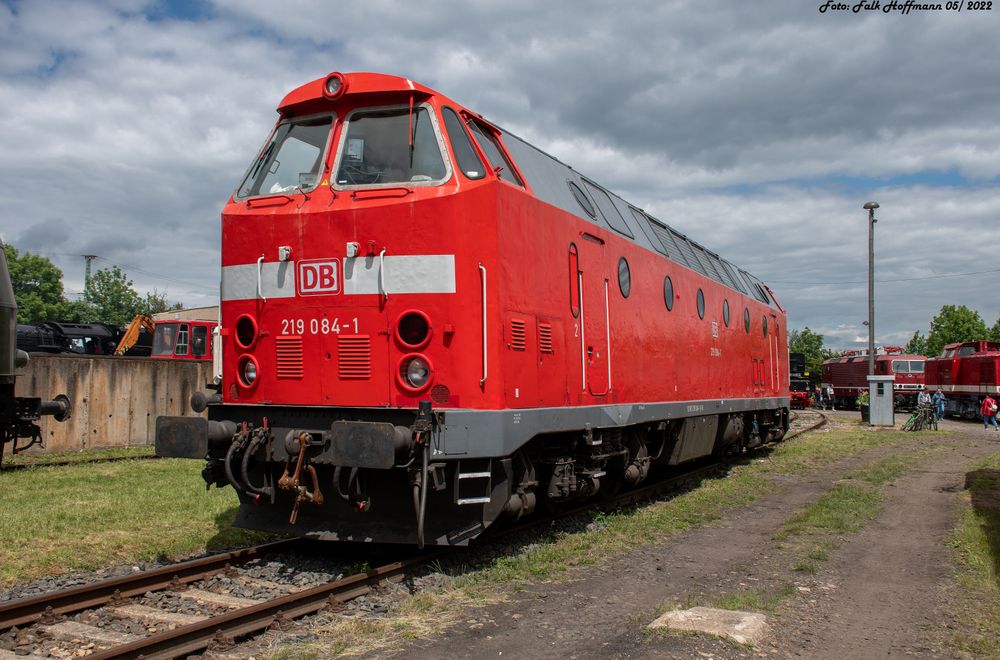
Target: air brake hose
pixel 265 490
pixel 228 464
pixel 421 502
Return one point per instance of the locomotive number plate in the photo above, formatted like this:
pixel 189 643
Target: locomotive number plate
pixel 322 326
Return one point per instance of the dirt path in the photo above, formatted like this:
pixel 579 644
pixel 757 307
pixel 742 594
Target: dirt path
pixel 875 597
pixel 888 579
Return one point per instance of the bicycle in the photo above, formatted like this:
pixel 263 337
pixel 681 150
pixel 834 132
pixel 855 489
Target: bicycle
pixel 923 418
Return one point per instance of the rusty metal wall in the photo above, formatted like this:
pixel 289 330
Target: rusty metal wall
pixel 115 400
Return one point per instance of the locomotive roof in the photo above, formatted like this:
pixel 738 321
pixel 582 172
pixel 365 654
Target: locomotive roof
pixel 559 184
pixel 983 345
pixel 879 357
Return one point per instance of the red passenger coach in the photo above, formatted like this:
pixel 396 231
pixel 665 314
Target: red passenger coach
pixel 429 324
pixel 848 375
pixel 965 373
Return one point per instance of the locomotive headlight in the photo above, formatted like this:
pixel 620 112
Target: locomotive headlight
pixel 334 86
pixel 413 329
pixel 415 372
pixel 247 371
pixel 418 372
pixel 246 331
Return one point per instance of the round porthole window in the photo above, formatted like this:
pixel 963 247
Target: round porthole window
pixel 746 319
pixel 725 312
pixel 668 293
pixel 624 277
pixel 701 304
pixel 764 323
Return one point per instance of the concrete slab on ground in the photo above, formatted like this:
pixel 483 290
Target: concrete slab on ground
pixel 741 627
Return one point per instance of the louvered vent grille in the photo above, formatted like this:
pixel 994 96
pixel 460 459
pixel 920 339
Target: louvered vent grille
pixel 545 338
pixel 354 355
pixel 288 354
pixel 518 339
pixel 667 241
pixel 689 256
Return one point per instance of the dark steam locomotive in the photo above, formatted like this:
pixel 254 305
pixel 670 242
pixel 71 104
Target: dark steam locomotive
pixel 18 414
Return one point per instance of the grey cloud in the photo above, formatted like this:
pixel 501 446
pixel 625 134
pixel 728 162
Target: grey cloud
pixel 134 132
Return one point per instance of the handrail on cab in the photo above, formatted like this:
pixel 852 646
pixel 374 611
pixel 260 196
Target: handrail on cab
pixel 482 271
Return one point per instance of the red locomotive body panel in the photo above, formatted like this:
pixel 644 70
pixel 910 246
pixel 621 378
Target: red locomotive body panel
pixel 965 373
pixel 848 375
pixel 479 317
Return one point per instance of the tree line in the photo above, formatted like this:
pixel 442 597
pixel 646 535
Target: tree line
pixel 109 298
pixel 954 323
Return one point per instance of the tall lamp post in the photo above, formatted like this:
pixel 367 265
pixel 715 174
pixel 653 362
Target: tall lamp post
pixel 870 207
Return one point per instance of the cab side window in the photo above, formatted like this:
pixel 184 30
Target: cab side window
pixel 488 142
pixel 182 341
pixel 468 160
pixel 199 340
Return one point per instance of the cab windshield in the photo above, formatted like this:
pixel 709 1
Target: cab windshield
pixel 390 146
pixel 291 160
pixel 165 339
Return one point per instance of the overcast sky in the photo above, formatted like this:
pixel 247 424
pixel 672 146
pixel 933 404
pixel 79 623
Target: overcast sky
pixel 759 128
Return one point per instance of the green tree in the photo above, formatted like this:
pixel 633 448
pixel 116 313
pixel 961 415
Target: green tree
pixel 810 344
pixel 154 303
pixel 38 286
pixel 111 294
pixel 78 311
pixel 917 345
pixel 995 331
pixel 953 324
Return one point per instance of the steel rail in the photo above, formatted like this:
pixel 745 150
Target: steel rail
pixel 822 421
pixel 66 601
pixel 184 640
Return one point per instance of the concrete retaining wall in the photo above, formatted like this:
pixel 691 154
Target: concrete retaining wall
pixel 115 400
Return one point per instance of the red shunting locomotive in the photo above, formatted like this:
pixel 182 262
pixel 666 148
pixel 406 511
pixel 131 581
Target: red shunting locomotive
pixel 428 324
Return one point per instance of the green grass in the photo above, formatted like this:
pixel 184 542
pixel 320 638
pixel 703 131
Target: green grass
pixel 622 531
pixel 843 509
pixel 753 600
pixel 892 467
pixel 88 516
pixel 88 455
pixel 976 544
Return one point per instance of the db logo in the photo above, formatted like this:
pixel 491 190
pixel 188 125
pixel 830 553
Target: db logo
pixel 319 277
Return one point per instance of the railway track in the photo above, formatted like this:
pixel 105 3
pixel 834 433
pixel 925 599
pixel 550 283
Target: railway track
pixel 178 635
pixel 805 420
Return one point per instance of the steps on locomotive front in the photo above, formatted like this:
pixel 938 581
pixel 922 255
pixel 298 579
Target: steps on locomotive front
pixel 473 481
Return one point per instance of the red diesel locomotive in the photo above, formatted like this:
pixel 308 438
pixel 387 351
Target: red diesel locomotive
pixel 428 324
pixel 848 375
pixel 965 372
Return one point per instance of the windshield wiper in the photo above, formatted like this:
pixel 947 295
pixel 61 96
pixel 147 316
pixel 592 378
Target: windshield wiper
pixel 413 136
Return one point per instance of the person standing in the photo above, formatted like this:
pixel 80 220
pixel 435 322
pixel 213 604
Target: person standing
pixel 989 412
pixel 829 397
pixel 938 401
